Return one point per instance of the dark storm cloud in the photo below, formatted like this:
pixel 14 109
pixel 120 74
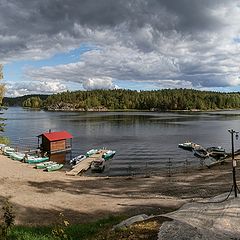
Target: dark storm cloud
pixel 53 16
pixel 139 40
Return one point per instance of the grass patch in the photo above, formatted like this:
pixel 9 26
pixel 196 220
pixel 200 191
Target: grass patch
pixel 74 232
pixel 98 230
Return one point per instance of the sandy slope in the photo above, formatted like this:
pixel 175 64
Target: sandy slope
pixel 38 197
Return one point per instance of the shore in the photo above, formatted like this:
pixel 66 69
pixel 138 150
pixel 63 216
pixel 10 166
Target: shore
pixel 38 197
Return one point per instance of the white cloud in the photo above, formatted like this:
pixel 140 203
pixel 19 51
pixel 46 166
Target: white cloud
pixel 25 88
pixel 98 83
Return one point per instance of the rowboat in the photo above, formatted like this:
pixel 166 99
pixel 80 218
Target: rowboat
pixel 35 159
pixel 98 165
pixel 44 165
pixel 2 145
pixel 7 150
pixel 17 156
pixel 54 167
pixel 217 149
pixel 91 152
pixel 77 159
pixel 200 152
pixel 109 154
pixel 216 152
pixel 188 146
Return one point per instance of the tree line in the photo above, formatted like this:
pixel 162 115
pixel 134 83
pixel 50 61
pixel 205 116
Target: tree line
pixel 119 99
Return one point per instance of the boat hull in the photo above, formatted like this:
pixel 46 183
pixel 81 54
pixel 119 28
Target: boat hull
pixel 44 165
pixel 37 160
pixel 17 156
pixel 54 167
pixel 109 155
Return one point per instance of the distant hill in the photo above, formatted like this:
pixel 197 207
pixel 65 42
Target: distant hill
pixel 18 101
pixel 123 99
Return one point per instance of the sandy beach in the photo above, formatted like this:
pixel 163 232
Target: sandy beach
pixel 38 197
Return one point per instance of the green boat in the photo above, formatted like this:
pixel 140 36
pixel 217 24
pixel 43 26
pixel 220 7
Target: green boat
pixel 35 159
pixel 109 154
pixel 91 152
pixel 17 156
pixel 44 165
pixel 54 167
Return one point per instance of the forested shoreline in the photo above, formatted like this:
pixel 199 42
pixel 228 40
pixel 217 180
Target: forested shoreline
pixel 119 99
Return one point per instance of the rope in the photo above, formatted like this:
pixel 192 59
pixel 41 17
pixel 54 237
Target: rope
pixel 221 200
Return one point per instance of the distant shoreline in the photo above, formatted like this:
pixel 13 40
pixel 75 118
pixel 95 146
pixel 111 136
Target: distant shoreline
pixel 124 110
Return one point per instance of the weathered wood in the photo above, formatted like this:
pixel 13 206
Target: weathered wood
pixel 85 164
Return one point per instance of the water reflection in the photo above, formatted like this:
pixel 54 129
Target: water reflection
pixel 139 138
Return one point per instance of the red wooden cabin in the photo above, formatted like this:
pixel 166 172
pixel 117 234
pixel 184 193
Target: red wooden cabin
pixel 55 142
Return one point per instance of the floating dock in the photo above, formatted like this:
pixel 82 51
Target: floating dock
pixel 85 164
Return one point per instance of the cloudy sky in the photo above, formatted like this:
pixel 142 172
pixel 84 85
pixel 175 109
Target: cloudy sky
pixel 50 46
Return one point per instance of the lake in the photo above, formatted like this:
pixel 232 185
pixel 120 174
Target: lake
pixel 143 140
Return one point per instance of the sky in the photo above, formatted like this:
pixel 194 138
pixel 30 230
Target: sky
pixel 51 46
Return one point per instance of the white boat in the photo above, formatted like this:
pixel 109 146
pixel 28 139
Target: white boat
pixel 2 145
pixel 188 146
pixel 98 165
pixel 7 150
pixel 91 152
pixel 77 159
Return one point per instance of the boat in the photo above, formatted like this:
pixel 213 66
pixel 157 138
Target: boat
pixel 216 152
pixel 7 150
pixel 98 165
pixel 77 159
pixel 109 154
pixel 91 152
pixel 2 145
pixel 200 152
pixel 188 146
pixel 44 165
pixel 36 159
pixel 17 156
pixel 54 167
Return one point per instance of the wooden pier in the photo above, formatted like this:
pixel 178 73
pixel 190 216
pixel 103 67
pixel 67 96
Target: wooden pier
pixel 85 164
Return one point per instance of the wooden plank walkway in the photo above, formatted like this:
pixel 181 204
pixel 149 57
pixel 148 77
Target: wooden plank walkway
pixel 85 164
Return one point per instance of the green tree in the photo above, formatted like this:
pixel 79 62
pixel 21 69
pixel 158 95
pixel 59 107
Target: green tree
pixel 32 102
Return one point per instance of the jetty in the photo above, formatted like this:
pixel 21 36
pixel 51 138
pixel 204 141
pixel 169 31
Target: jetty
pixel 85 164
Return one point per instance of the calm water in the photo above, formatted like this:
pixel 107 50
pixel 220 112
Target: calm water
pixel 141 139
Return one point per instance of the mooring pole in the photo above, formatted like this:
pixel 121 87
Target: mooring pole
pixel 234 163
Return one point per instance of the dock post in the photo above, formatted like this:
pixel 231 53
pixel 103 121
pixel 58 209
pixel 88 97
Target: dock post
pixel 234 163
pixel 169 164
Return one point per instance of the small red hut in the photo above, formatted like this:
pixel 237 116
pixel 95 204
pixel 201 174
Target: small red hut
pixel 55 142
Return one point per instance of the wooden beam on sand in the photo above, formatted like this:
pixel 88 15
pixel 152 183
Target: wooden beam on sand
pixel 85 164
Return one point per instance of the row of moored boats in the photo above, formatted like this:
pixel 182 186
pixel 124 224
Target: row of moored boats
pixel 40 162
pixel 201 152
